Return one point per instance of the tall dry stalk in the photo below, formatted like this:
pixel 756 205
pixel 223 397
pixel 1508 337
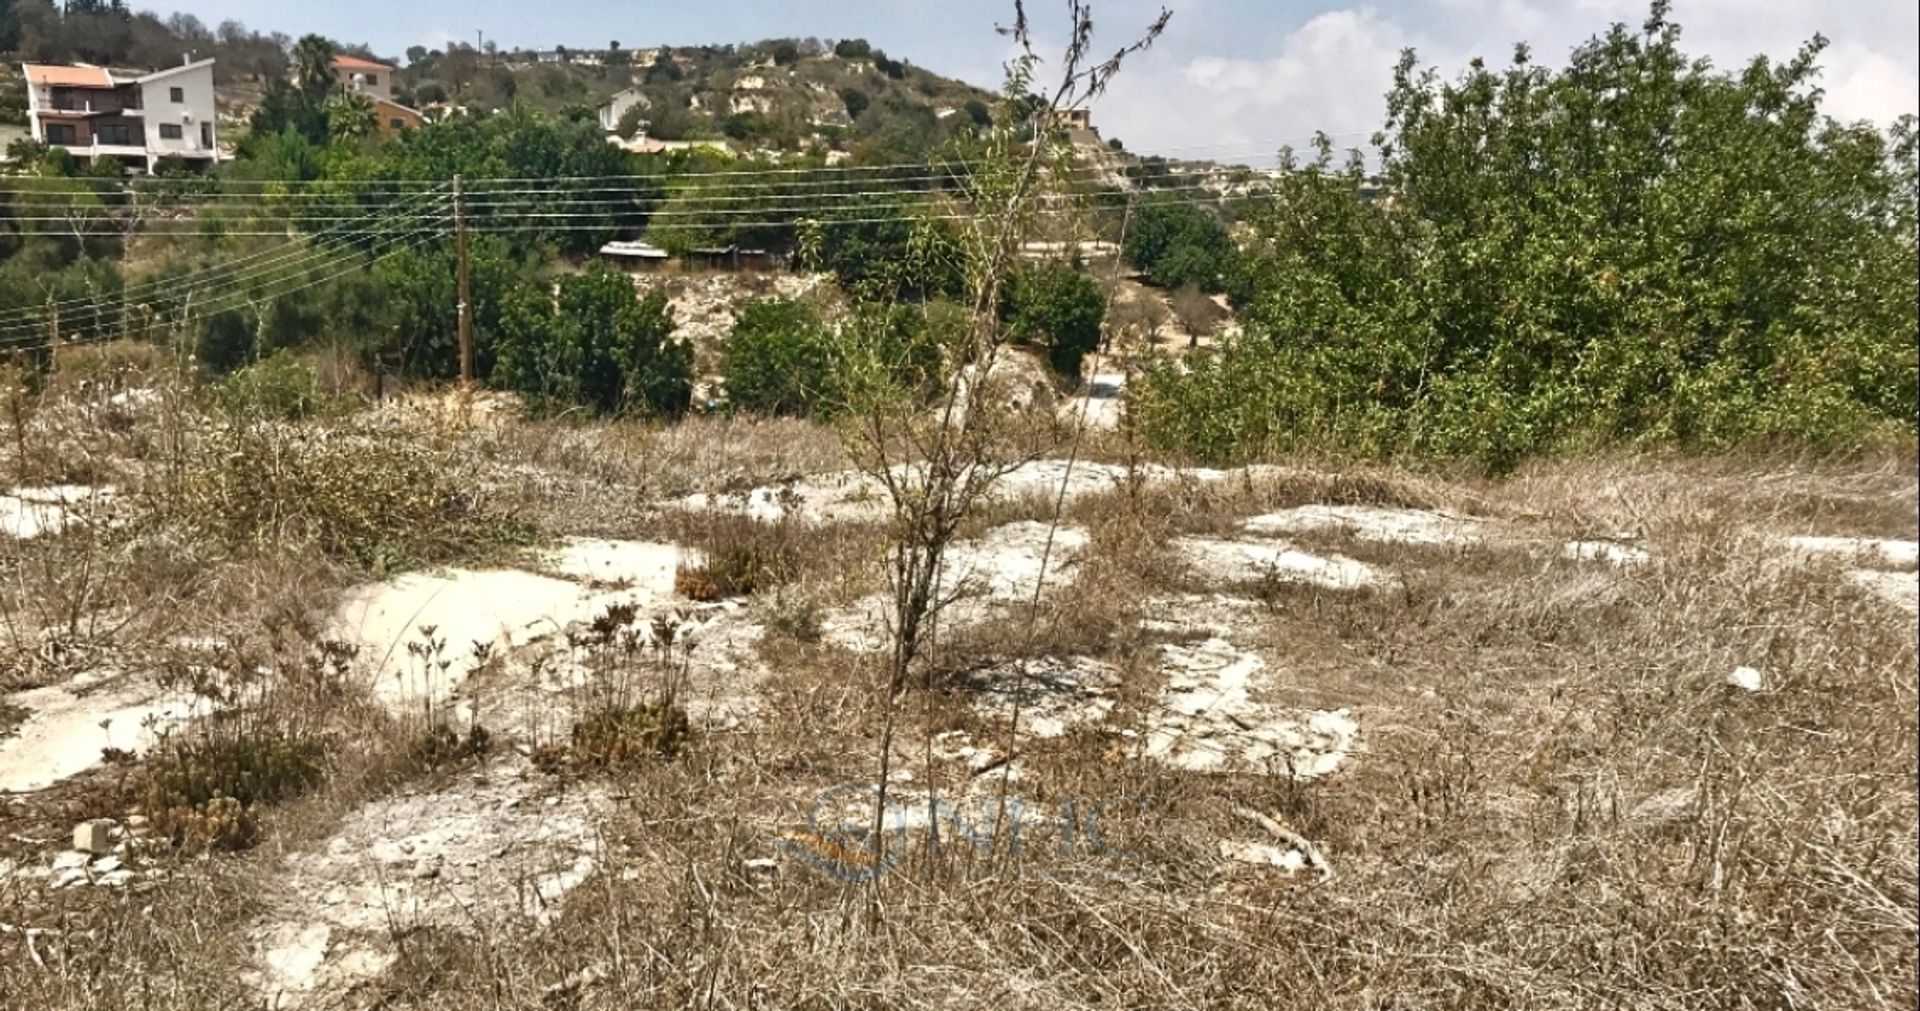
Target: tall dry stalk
pixel 935 466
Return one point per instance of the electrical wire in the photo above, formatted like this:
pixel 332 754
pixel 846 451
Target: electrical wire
pixel 704 215
pixel 88 187
pixel 261 258
pixel 236 299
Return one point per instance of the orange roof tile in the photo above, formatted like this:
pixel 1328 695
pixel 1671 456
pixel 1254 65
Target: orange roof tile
pixel 51 75
pixel 345 62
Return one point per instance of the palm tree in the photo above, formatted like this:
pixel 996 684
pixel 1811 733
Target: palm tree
pixel 350 116
pixel 313 65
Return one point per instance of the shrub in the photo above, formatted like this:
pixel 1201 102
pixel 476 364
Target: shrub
pixel 780 359
pixel 741 556
pixel 598 344
pixel 1059 308
pixel 366 496
pixel 282 388
pixel 444 746
pixel 622 736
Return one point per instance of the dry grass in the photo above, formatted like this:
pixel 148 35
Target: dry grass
pixel 1559 804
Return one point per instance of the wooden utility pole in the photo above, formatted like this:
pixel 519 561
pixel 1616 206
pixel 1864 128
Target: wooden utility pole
pixel 466 295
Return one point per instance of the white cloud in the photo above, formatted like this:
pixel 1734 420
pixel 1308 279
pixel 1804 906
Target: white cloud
pixel 1862 84
pixel 1190 97
pixel 1330 74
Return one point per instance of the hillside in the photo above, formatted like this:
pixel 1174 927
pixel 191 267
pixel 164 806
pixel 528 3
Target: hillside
pixel 783 94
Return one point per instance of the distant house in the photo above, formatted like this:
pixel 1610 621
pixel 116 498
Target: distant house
pixel 577 57
pixel 364 77
pixel 1076 119
pixel 134 117
pixel 375 81
pixel 619 105
pixel 395 119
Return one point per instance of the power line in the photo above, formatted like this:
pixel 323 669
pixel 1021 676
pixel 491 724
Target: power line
pixel 135 186
pixel 509 223
pixel 284 251
pixel 502 210
pixel 740 192
pixel 241 271
pixel 235 299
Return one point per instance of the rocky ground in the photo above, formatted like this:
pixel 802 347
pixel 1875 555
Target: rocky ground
pixel 1306 679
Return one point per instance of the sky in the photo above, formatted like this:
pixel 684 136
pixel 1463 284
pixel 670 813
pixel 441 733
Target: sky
pixel 1230 79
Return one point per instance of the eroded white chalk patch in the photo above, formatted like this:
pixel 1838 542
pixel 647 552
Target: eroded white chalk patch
pixel 1617 553
pixel 1051 695
pixel 63 734
pixel 1870 551
pixel 641 566
pixel 1207 720
pixel 487 849
pixel 851 496
pixel 26 513
pixel 1002 567
pixel 501 608
pixel 1901 589
pixel 1235 561
pixel 1371 523
pixel 1285 859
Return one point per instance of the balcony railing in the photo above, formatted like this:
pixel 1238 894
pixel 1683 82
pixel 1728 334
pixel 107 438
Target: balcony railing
pixel 92 104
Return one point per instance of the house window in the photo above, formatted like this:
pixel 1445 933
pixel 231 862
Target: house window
pixel 396 123
pixel 60 133
pixel 373 80
pixel 176 95
pixel 170 131
pixel 114 133
pixel 206 135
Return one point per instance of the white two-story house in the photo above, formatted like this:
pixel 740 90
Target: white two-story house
pixel 134 117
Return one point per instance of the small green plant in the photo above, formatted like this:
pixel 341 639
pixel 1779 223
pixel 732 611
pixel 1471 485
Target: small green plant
pixel 202 793
pixel 444 746
pixel 622 736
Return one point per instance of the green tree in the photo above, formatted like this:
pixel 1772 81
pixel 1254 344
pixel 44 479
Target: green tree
pixel 313 67
pixel 780 359
pixel 598 344
pixel 1058 308
pixel 1637 248
pixel 855 100
pixel 1178 244
pixel 350 117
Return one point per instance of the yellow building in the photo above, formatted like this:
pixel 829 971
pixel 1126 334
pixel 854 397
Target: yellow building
pixel 394 118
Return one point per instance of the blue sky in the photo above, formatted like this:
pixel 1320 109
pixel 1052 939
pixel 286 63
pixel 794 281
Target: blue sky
pixel 1231 78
